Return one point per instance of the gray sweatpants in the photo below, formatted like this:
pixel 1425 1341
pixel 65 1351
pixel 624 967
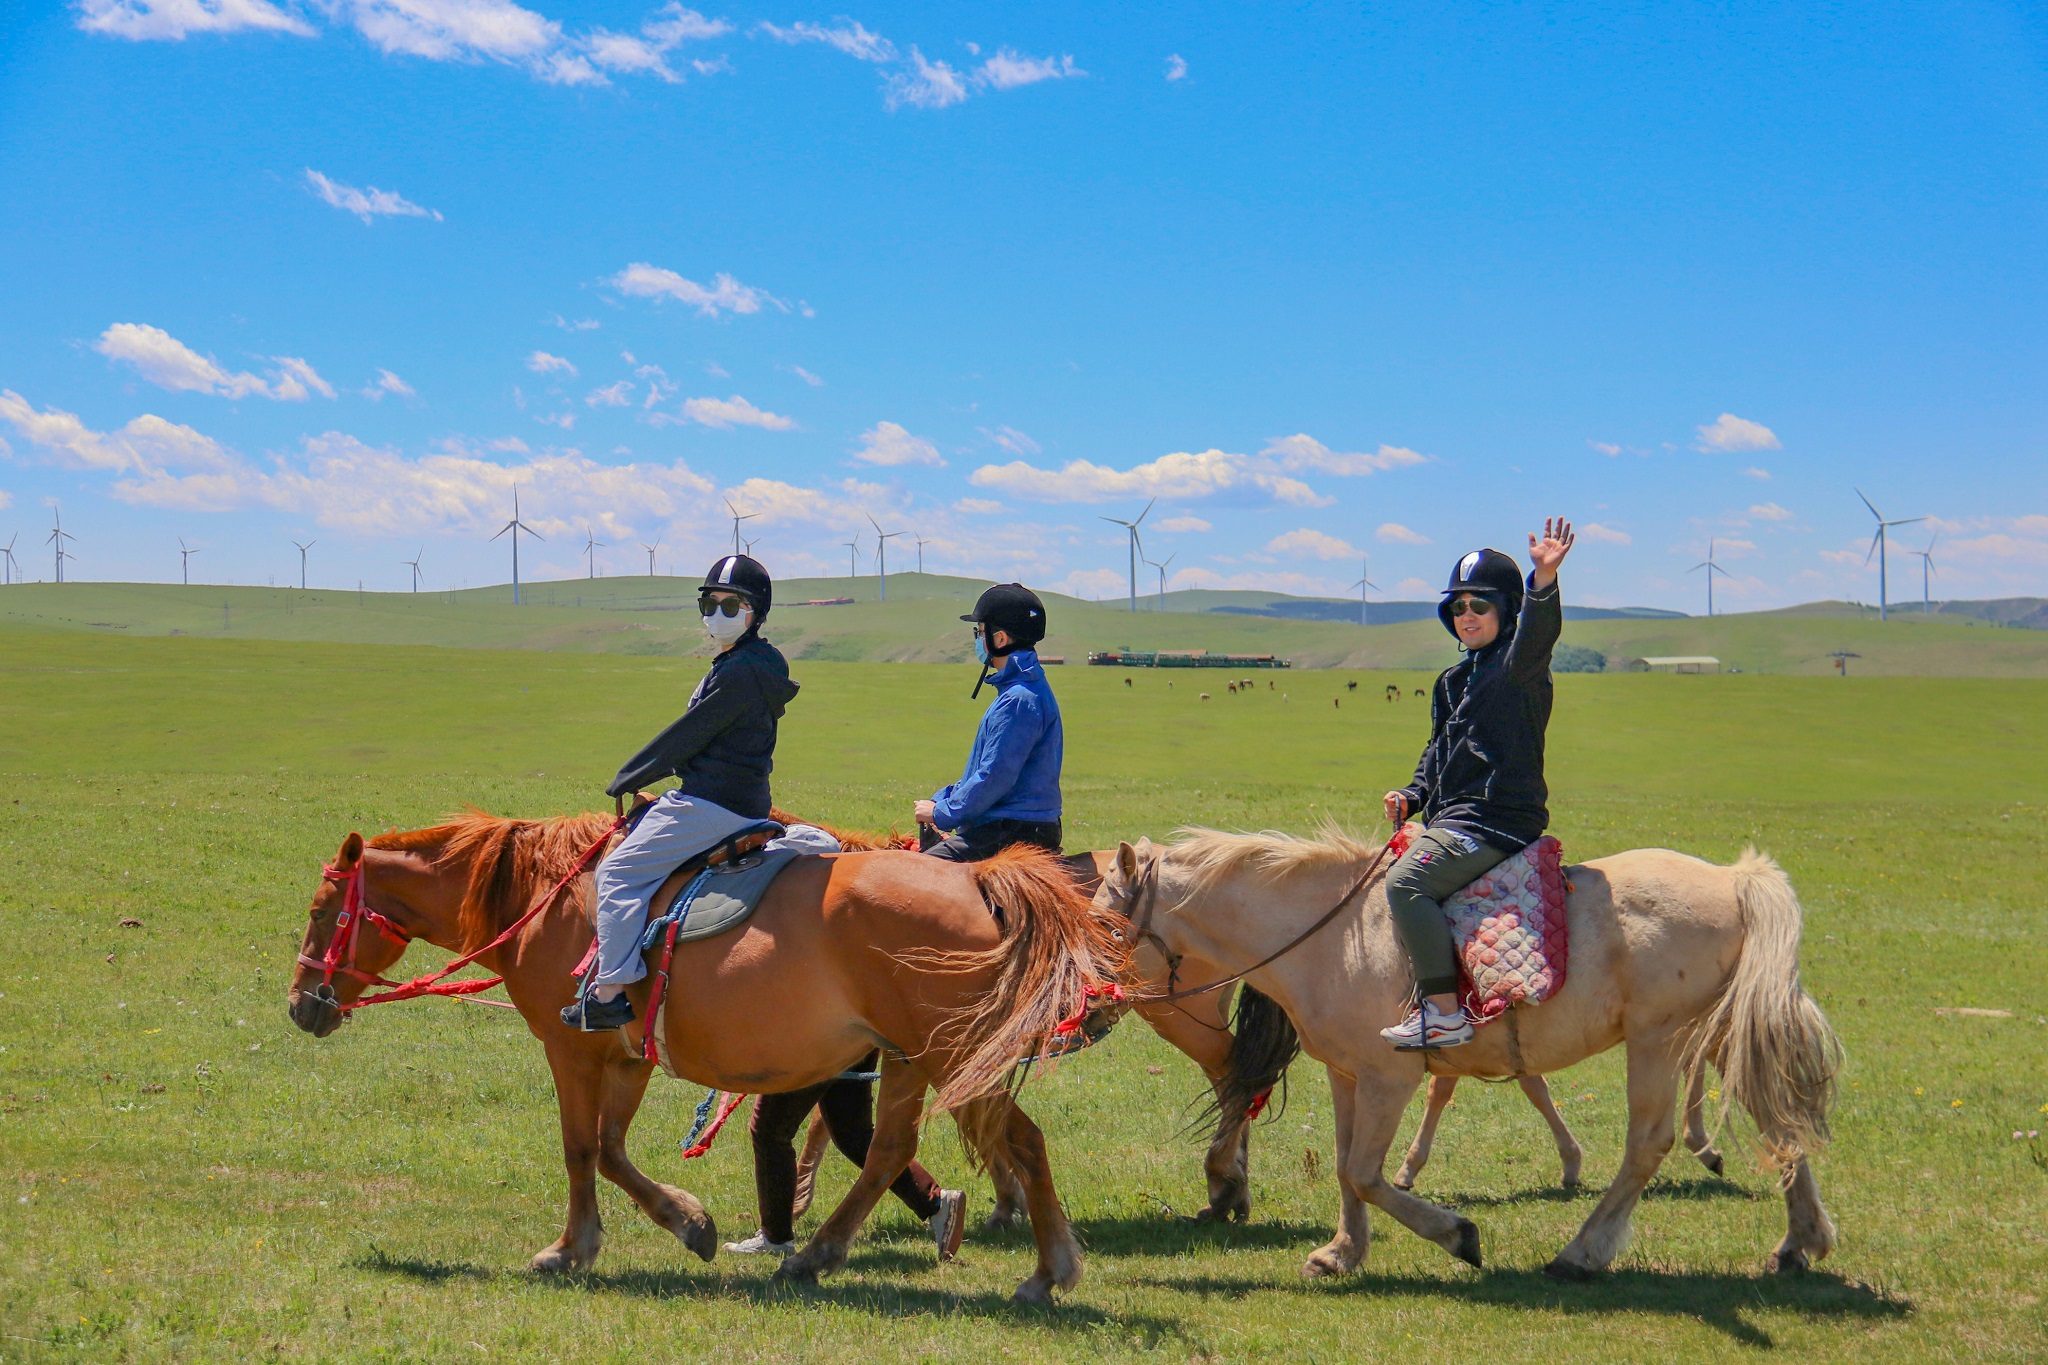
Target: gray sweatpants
pixel 674 830
pixel 1439 864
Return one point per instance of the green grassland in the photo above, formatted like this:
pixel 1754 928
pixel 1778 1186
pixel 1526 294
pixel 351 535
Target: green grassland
pixel 191 1178
pixel 919 624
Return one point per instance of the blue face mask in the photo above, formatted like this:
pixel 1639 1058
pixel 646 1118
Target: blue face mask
pixel 981 651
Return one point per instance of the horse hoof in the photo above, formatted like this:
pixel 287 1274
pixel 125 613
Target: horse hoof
pixel 1033 1291
pixel 1323 1266
pixel 1569 1271
pixel 791 1273
pixel 558 1261
pixel 1467 1249
pixel 1788 1262
pixel 1403 1181
pixel 1712 1161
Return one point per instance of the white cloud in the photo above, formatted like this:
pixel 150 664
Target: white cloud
pixel 847 36
pixel 1181 525
pixel 6 498
pixel 540 362
pixel 453 30
pixel 173 20
pixel 149 446
pixel 169 363
pixel 886 443
pixel 1413 585
pixel 1095 584
pixel 642 280
pixel 1730 433
pixel 617 395
pixel 735 411
pixel 565 420
pixel 1607 448
pixel 646 53
pixel 1769 511
pixel 801 373
pixel 1300 453
pixel 1180 476
pixel 580 325
pixel 1761 474
pixel 978 507
pixel 1176 67
pixel 925 85
pixel 387 384
pixel 1310 544
pixel 1605 535
pixel 367 204
pixel 1394 533
pixel 1008 70
pixel 1012 440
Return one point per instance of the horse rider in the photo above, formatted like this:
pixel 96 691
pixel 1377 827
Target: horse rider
pixel 1479 787
pixel 1010 790
pixel 720 751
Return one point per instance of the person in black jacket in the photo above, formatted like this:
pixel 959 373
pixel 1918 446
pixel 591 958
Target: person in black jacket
pixel 1479 786
pixel 721 752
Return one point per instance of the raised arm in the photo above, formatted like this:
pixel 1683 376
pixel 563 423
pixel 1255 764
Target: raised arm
pixel 1542 606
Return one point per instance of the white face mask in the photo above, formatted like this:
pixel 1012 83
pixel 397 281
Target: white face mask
pixel 725 629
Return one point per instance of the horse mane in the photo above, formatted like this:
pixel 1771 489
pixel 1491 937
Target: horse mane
pixel 507 860
pixel 1207 855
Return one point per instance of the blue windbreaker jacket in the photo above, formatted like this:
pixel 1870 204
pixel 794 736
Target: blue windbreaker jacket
pixel 1013 772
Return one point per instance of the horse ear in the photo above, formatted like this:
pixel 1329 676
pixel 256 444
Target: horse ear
pixel 351 850
pixel 1127 861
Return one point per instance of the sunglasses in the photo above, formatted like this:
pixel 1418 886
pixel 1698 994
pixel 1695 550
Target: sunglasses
pixel 1478 606
pixel 715 606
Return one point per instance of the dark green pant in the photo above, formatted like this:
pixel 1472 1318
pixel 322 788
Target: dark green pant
pixel 1440 863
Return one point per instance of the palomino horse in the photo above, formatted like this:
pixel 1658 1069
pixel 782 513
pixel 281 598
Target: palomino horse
pixel 1683 962
pixel 955 971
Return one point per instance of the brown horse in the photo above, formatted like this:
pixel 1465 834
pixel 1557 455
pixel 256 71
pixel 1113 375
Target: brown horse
pixel 955 971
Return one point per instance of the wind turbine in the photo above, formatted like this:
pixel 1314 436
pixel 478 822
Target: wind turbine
pixel 738 517
pixel 302 561
pixel 7 559
pixel 882 539
pixel 650 554
pixel 1132 527
pixel 921 543
pixel 591 545
pixel 1712 568
pixel 750 546
pixel 1162 576
pixel 1927 571
pixel 515 526
pixel 185 561
pixel 414 565
pixel 1364 582
pixel 852 549
pixel 57 538
pixel 1877 547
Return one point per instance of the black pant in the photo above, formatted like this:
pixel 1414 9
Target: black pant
pixel 985 840
pixel 849 1111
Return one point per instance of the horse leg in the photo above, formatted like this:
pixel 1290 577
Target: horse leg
pixel 983 1133
pixel 1341 1254
pixel 1697 1140
pixel 1440 1091
pixel 579 1080
pixel 1200 1028
pixel 816 1138
pixel 1059 1251
pixel 1568 1150
pixel 1652 1103
pixel 1377 1101
pixel 1809 1233
pixel 625 1084
pixel 899 1105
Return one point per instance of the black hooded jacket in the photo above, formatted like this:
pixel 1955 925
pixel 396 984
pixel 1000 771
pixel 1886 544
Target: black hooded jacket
pixel 723 747
pixel 1482 773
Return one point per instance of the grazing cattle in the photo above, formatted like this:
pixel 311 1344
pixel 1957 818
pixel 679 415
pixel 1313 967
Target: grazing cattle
pixel 1420 693
pixel 1205 696
pixel 1393 692
pixel 1337 702
pixel 1127 681
pixel 1351 686
pixel 1231 688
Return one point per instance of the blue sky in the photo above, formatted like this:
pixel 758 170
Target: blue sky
pixel 1326 281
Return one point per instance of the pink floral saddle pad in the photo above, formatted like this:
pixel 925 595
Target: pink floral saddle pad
pixel 1510 930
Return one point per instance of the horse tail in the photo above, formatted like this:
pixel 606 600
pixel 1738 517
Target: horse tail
pixel 1776 1053
pixel 1056 948
pixel 1263 1044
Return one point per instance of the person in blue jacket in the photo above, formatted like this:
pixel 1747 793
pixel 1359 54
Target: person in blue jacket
pixel 1010 792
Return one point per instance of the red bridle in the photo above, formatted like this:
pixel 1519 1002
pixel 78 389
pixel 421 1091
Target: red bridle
pixel 340 957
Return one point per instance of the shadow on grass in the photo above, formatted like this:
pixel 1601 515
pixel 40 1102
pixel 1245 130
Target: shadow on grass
pixel 1715 1299
pixel 1158 1235
pixel 416 1268
pixel 1699 1187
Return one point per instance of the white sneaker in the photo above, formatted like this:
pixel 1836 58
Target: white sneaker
pixel 1426 1028
pixel 949 1224
pixel 759 1245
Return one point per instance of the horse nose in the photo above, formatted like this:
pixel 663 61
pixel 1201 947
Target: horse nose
pixel 315 1012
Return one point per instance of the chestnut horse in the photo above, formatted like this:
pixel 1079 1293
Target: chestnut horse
pixel 956 971
pixel 1685 963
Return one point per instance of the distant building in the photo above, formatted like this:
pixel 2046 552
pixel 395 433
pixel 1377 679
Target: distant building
pixel 1675 663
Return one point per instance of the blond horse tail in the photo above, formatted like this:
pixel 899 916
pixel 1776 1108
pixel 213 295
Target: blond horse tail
pixel 1055 948
pixel 1776 1053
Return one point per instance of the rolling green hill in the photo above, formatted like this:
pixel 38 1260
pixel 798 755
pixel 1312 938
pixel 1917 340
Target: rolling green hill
pixel 919 623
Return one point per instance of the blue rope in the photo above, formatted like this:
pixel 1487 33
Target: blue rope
pixel 703 1120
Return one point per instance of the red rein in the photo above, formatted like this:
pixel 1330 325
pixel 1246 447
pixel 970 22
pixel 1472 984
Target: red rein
pixel 340 957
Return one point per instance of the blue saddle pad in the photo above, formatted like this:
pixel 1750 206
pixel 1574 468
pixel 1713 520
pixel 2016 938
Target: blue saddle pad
pixel 720 898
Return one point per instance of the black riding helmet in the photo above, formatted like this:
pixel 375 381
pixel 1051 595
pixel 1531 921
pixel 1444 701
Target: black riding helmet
pixel 1489 574
pixel 744 575
pixel 1014 608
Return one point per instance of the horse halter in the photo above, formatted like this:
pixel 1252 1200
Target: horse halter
pixel 340 957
